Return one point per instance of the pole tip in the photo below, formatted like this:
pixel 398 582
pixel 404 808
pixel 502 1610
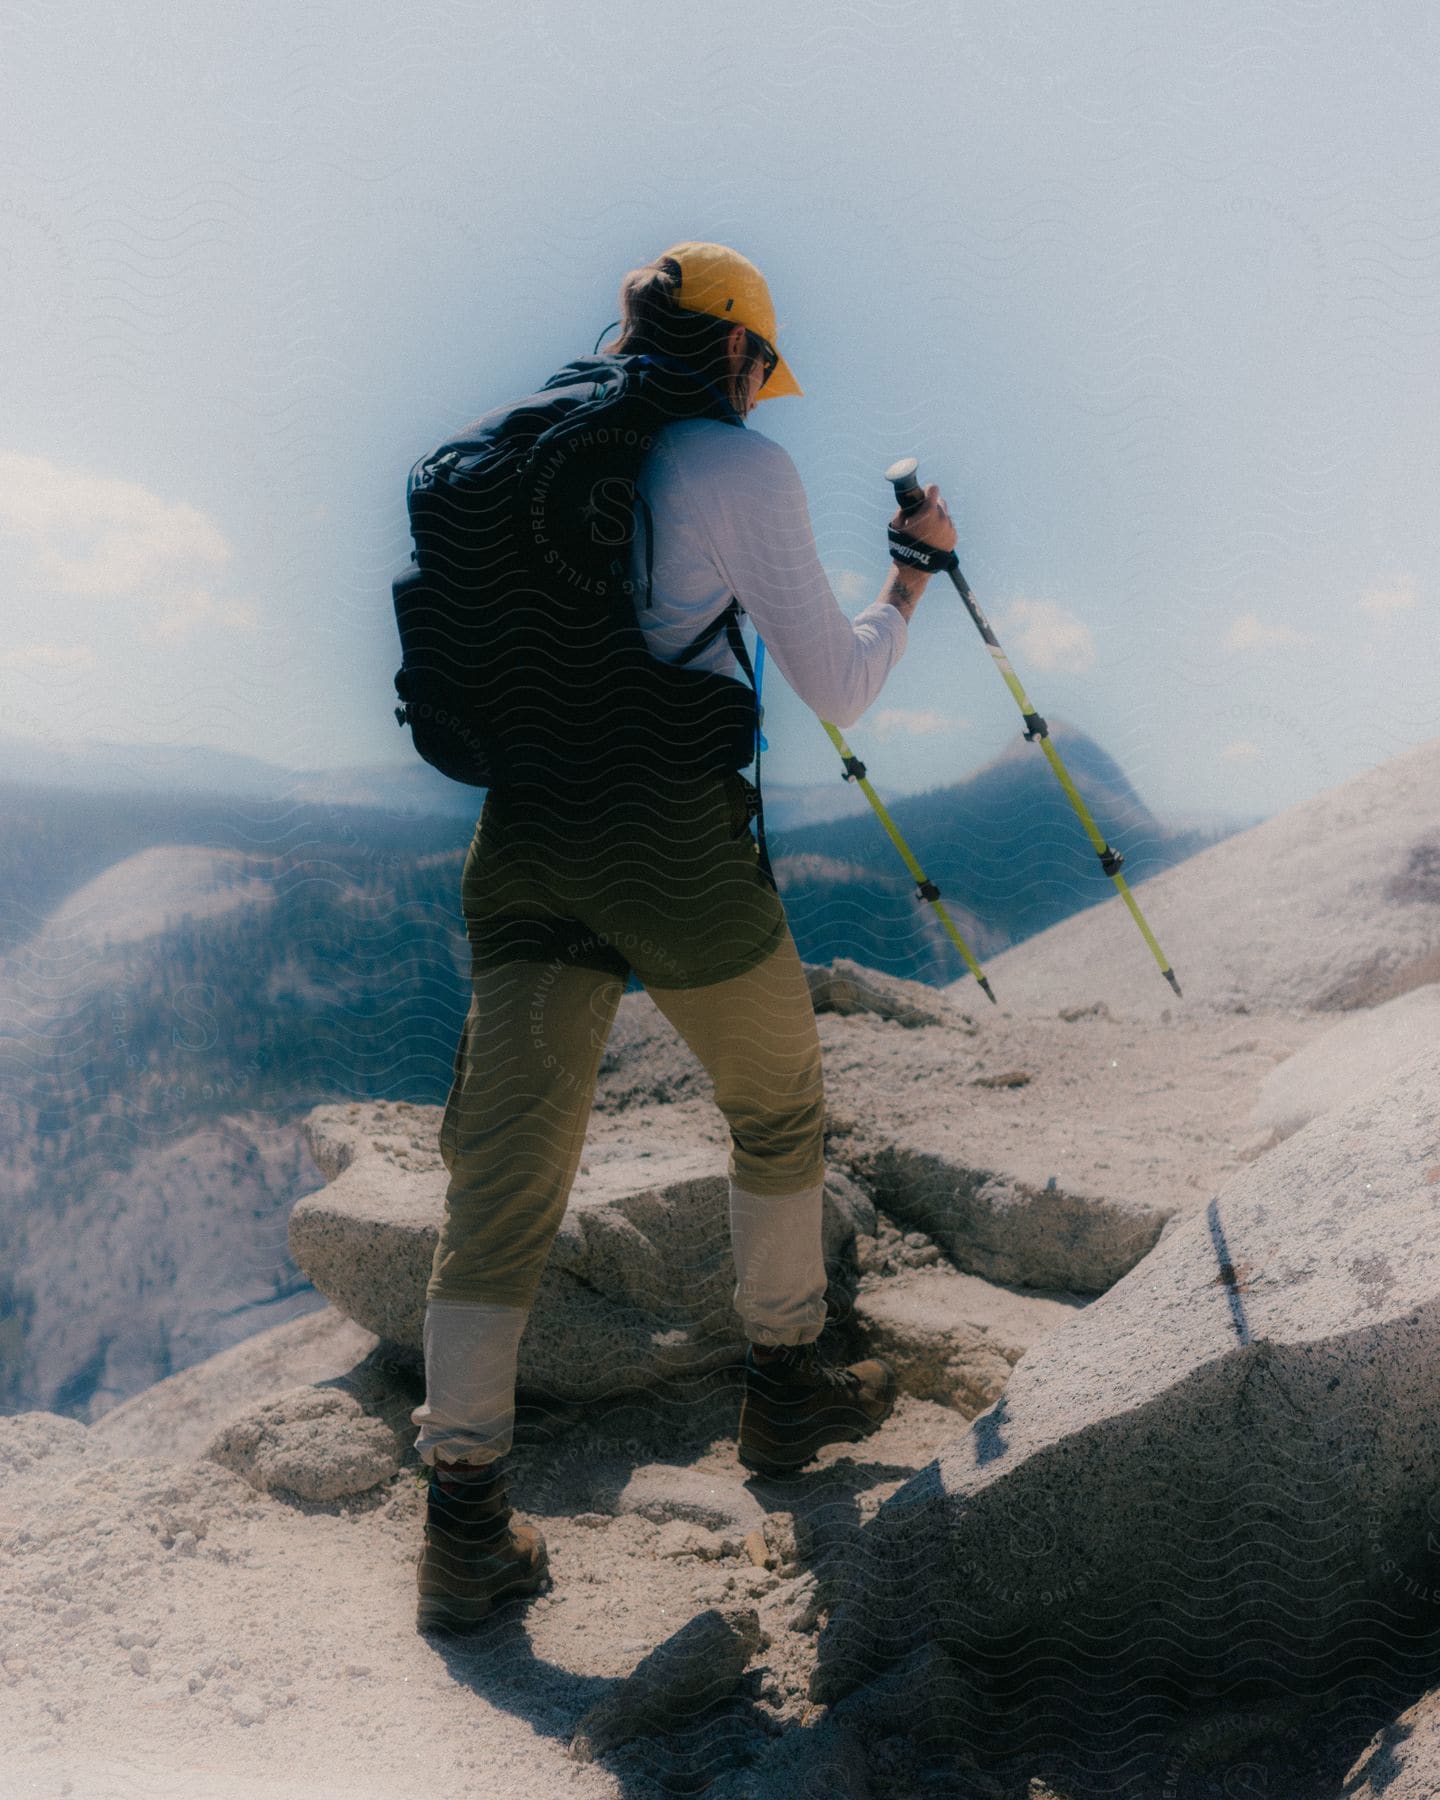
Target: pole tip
pixel 1170 977
pixel 988 989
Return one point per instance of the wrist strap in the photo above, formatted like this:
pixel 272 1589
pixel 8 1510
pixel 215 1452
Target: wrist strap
pixel 910 553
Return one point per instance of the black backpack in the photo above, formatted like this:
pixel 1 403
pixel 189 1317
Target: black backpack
pixel 522 659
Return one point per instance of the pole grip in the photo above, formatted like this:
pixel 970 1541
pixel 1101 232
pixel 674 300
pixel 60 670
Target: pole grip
pixel 909 495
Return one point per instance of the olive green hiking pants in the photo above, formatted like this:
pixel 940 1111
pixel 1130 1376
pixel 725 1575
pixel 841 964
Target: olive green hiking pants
pixel 562 901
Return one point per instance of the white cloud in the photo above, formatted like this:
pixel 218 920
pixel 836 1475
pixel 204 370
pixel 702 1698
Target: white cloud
pixel 200 607
pixel 1390 596
pixel 1250 632
pixel 1048 637
pixel 900 721
pixel 48 656
pixel 93 537
pixel 1242 750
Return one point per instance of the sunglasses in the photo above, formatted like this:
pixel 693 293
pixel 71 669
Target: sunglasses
pixel 767 352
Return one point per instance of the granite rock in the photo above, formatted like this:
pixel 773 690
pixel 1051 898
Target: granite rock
pixel 638 1288
pixel 1223 1468
pixel 1009 1230
pixel 954 1338
pixel 317 1443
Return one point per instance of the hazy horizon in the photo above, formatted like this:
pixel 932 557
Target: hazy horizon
pixel 155 770
pixel 1150 295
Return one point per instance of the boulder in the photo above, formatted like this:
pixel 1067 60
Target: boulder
pixel 1002 1227
pixel 367 1239
pixel 664 1494
pixel 638 1287
pixel 1322 1075
pixel 954 1338
pixel 1402 1760
pixel 177 1417
pixel 849 987
pixel 691 1671
pixel 316 1443
pixel 1221 1471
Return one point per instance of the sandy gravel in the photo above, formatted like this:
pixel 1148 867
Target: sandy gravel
pixel 168 1630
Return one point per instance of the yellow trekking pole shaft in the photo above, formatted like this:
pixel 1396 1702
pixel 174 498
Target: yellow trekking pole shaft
pixel 925 889
pixel 910 495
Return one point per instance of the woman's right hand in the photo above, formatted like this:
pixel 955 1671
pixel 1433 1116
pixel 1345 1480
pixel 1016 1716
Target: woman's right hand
pixel 931 523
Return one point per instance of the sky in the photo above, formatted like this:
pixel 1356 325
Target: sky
pixel 1149 290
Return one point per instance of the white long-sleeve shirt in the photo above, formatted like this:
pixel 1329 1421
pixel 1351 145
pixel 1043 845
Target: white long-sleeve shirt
pixel 730 517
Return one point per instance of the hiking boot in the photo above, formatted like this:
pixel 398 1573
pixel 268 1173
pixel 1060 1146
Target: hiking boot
pixel 473 1557
pixel 796 1400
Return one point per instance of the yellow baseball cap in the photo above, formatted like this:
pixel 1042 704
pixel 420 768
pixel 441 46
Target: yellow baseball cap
pixel 726 285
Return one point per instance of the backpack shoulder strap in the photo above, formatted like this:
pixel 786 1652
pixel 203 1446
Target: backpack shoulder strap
pixel 727 621
pixel 731 617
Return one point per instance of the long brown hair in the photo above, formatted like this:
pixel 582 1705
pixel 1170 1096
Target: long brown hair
pixel 652 322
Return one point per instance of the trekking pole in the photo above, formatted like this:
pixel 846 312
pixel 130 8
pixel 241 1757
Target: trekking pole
pixel 925 889
pixel 910 496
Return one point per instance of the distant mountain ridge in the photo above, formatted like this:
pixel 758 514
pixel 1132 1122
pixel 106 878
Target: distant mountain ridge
pixel 101 766
pixel 1331 906
pixel 167 771
pixel 54 839
pixel 1004 846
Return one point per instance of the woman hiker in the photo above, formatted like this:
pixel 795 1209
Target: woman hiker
pixel 563 901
